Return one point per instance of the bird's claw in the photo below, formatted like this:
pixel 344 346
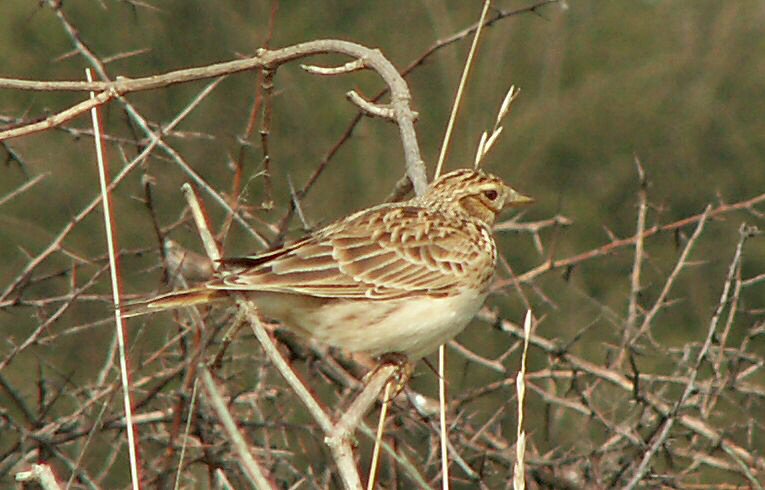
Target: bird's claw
pixel 404 370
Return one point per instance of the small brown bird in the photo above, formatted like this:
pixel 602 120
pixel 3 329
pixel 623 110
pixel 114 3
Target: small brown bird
pixel 395 278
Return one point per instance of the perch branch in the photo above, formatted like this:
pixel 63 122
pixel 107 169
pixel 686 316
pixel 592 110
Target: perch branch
pixel 338 435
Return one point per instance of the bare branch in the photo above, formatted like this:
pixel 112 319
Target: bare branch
pixel 248 464
pixel 267 59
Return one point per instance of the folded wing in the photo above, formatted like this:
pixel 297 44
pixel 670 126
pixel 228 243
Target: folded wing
pixel 379 253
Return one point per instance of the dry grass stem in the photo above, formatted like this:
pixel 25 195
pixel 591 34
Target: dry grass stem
pixel 489 138
pixel 439 166
pixel 379 437
pixel 114 270
pixel 519 468
pixel 460 88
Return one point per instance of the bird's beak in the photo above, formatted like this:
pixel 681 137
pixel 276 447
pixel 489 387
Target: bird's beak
pixel 515 199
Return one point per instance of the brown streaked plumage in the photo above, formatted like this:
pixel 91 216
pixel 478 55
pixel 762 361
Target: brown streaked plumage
pixel 402 277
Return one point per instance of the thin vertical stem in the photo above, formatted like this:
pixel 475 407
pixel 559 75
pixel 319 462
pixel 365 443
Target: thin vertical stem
pixel 460 89
pixel 115 275
pixel 439 166
pixel 378 438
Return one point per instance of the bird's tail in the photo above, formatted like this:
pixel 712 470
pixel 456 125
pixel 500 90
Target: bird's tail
pixel 175 299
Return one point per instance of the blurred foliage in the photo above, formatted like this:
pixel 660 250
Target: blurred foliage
pixel 678 84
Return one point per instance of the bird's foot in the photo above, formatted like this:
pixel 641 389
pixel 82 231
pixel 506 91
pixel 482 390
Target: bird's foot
pixel 404 370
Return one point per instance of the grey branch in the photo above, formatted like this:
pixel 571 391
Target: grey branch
pixel 267 59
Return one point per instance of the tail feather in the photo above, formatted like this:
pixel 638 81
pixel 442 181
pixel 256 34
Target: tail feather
pixel 172 300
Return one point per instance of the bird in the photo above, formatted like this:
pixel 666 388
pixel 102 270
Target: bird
pixel 397 278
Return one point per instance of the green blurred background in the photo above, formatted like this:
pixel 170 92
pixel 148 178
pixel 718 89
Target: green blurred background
pixel 678 84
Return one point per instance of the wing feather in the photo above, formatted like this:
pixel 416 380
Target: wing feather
pixel 382 253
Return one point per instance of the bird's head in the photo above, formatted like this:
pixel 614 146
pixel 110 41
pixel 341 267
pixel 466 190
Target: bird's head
pixel 474 192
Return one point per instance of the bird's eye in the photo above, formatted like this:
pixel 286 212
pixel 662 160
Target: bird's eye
pixel 490 194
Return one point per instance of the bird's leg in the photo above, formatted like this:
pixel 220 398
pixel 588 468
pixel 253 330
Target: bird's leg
pixel 404 369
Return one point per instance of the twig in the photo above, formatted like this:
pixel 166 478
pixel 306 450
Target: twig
pixel 186 430
pixel 443 433
pixel 349 67
pixel 636 266
pixel 318 414
pixel 338 439
pixel 731 311
pixel 22 188
pixel 679 265
pixel 200 216
pixel 616 244
pixel 186 168
pixel 371 109
pixel 55 244
pixel 398 457
pixel 662 435
pixel 744 468
pixel 40 473
pixel 579 364
pixel 533 226
pixel 255 112
pixel 249 466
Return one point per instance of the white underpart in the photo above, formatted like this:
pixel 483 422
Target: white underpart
pixel 411 326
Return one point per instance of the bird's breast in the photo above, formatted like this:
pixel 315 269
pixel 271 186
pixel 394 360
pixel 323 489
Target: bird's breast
pixel 414 326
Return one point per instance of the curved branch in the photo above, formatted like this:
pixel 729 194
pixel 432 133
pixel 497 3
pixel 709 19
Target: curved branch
pixel 268 59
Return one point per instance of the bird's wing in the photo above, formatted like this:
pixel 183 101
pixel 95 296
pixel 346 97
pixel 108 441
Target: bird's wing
pixel 379 253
